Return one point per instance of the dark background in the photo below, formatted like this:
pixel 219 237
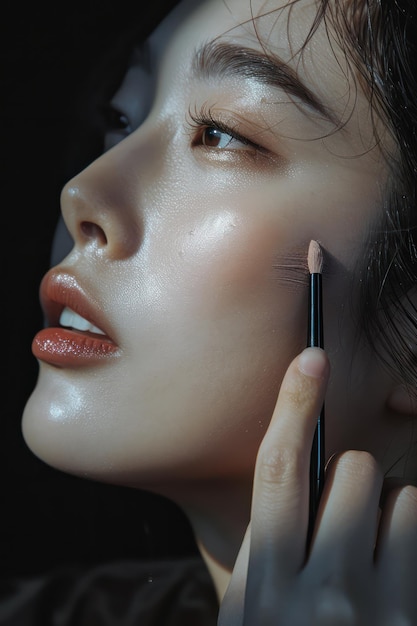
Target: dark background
pixel 47 55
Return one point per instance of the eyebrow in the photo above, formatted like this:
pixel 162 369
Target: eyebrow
pixel 218 59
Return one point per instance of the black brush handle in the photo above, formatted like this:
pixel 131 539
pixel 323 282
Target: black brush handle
pixel 315 310
pixel 318 457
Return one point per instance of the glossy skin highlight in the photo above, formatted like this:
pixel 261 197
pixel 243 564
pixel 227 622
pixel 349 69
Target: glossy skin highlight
pixel 176 243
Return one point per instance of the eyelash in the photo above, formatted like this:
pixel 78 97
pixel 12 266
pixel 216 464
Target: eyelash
pixel 200 121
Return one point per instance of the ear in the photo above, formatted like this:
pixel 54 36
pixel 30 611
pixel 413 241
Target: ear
pixel 403 400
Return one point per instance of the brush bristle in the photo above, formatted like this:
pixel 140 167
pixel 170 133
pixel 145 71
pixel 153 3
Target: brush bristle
pixel 315 258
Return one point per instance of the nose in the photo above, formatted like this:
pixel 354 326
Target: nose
pixel 101 205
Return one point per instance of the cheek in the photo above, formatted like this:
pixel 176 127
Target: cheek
pixel 223 290
pixel 234 257
pixel 229 254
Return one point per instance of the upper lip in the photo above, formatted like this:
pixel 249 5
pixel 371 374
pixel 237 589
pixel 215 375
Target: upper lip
pixel 61 289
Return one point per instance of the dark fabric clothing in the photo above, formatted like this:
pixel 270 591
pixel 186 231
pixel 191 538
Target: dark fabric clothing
pixel 124 593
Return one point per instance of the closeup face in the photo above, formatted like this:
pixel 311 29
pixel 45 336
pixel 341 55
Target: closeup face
pixel 189 261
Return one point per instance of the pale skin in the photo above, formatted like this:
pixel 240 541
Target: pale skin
pixel 188 235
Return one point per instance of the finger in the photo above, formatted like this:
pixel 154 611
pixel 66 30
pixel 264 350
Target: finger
pixel 343 546
pixel 396 555
pixel 281 486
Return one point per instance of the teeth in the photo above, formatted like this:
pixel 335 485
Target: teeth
pixel 71 319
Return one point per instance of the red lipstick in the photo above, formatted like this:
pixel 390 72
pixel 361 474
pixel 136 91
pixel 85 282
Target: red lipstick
pixel 70 347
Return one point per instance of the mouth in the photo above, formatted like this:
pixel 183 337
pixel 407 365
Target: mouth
pixel 71 319
pixel 76 332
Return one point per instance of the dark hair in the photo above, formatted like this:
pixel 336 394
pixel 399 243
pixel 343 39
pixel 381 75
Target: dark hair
pixel 382 35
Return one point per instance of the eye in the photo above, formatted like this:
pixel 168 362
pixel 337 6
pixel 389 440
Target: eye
pixel 114 120
pixel 213 137
pixel 115 125
pixel 211 132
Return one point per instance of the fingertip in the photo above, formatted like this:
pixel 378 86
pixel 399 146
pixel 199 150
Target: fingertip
pixel 313 362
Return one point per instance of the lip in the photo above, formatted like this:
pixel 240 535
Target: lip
pixel 64 347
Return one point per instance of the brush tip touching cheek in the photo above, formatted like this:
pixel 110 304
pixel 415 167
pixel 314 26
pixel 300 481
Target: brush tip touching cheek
pixel 315 257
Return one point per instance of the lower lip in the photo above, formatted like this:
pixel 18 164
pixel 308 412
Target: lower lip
pixel 68 348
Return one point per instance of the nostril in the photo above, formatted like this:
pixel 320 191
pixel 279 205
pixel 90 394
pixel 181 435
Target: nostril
pixel 93 231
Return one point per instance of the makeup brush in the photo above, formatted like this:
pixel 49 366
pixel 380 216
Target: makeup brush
pixel 315 339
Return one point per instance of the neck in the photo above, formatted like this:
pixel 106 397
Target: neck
pixel 219 573
pixel 219 515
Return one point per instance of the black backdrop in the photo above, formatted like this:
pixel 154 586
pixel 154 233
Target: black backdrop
pixel 48 518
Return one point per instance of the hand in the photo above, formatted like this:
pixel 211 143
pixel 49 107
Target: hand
pixel 361 569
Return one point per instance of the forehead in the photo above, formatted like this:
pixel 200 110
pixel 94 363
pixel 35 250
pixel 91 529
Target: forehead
pixel 282 28
pixel 291 31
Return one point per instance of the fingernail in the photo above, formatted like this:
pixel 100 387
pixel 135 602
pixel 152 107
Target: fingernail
pixel 312 362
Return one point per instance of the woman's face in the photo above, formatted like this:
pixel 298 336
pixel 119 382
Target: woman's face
pixel 191 238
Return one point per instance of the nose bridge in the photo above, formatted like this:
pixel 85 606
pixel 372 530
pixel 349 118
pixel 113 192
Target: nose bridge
pixel 102 204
